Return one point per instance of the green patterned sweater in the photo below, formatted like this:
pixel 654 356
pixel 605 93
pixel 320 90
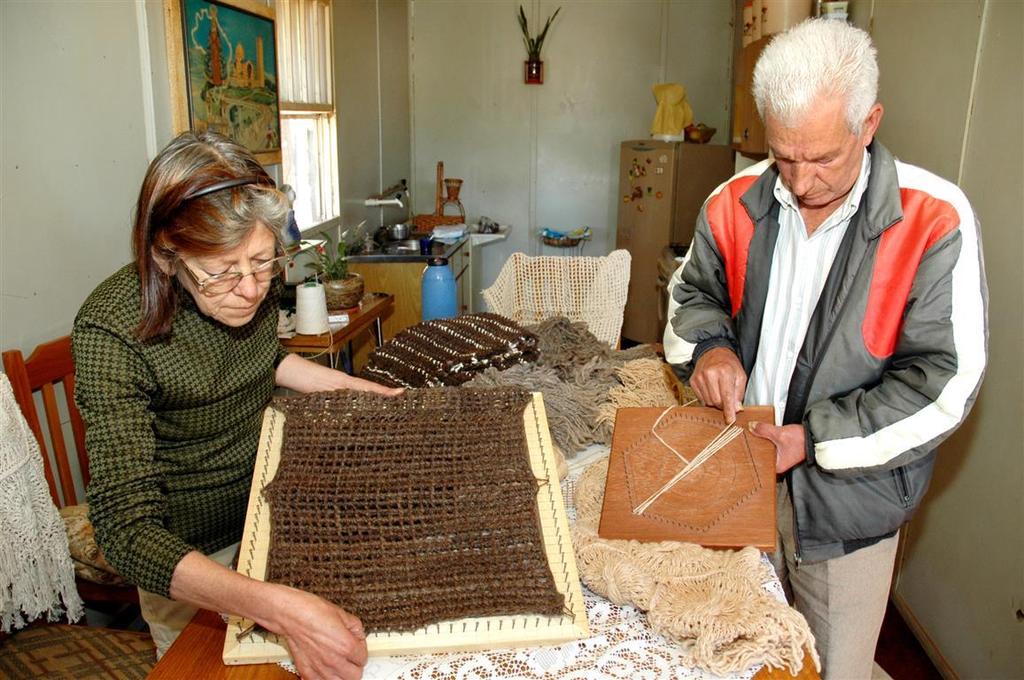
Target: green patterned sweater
pixel 171 426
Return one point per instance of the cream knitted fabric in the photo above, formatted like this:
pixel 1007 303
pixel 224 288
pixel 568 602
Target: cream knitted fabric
pixel 36 574
pixel 710 602
pixel 589 289
pixel 644 383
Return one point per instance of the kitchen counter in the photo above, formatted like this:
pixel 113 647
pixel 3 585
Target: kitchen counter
pixel 407 251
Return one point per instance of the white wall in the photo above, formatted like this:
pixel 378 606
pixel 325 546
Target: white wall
pixel 74 149
pixel 926 52
pixel 85 102
pixel 371 49
pixel 547 155
pixel 954 96
pixel 396 163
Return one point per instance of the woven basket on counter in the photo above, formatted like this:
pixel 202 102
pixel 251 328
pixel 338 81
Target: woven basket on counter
pixel 438 218
pixel 564 242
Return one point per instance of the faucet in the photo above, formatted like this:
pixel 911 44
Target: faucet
pixel 392 196
pixel 381 202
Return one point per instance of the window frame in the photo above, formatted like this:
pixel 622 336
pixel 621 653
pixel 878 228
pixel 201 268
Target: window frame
pixel 317 82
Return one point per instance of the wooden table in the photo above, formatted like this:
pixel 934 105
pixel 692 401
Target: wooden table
pixel 371 311
pixel 196 654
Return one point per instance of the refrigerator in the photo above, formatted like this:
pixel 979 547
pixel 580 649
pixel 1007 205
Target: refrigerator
pixel 662 186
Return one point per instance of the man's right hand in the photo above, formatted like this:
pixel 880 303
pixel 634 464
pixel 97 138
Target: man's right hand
pixel 718 379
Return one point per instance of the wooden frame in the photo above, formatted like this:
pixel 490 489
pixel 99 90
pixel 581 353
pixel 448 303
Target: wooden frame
pixel 468 634
pixel 728 503
pixel 243 103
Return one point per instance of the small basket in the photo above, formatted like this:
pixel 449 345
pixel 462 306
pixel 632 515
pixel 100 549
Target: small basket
pixel 563 242
pixel 427 222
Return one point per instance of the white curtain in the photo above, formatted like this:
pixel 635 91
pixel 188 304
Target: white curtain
pixel 304 40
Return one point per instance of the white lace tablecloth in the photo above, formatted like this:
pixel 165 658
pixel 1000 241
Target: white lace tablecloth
pixel 621 646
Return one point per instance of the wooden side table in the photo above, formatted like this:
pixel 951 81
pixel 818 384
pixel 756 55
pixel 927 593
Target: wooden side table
pixel 370 313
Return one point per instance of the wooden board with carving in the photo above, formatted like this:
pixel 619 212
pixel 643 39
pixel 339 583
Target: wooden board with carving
pixel 727 501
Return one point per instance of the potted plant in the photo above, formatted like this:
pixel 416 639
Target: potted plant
pixel 534 66
pixel 343 289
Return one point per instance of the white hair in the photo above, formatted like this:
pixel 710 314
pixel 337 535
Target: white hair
pixel 818 57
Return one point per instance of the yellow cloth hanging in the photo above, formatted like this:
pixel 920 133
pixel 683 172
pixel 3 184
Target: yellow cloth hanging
pixel 674 112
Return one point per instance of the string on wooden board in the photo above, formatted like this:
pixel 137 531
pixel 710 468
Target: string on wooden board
pixel 654 431
pixel 728 433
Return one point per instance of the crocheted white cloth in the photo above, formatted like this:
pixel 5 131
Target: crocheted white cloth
pixel 37 577
pixel 593 290
pixel 622 644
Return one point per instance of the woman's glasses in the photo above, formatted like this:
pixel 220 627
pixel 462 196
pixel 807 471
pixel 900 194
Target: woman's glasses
pixel 219 284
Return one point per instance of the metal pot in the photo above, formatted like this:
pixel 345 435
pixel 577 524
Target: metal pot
pixel 399 232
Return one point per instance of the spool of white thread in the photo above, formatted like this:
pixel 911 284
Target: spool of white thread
pixel 310 309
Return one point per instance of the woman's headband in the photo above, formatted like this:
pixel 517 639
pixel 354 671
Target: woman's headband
pixel 228 184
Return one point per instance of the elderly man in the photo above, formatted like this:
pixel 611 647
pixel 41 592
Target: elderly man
pixel 846 289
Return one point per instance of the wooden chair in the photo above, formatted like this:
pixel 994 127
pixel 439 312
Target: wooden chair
pixel 50 364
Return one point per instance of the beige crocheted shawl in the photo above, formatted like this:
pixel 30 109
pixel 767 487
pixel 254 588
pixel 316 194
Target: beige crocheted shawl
pixel 36 574
pixel 710 602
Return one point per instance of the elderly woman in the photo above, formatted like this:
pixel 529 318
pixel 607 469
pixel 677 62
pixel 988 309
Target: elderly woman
pixel 176 356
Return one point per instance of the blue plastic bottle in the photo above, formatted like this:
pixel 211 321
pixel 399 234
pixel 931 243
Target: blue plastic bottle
pixel 438 290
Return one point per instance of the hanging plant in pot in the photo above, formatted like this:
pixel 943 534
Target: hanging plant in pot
pixel 534 67
pixel 343 289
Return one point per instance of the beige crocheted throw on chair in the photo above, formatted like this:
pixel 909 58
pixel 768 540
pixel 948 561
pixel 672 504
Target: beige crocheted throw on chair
pixel 529 290
pixel 710 602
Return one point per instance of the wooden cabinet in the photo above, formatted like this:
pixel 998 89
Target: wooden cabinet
pixel 747 129
pixel 402 279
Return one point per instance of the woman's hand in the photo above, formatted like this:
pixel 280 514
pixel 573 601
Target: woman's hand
pixel 369 386
pixel 303 375
pixel 325 641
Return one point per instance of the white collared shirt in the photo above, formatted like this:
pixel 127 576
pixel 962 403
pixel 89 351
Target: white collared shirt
pixel 800 265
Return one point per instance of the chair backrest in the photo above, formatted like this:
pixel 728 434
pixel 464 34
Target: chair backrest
pixel 49 364
pixel 529 290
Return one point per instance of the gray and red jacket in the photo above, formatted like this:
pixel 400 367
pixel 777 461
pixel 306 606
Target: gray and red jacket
pixel 894 352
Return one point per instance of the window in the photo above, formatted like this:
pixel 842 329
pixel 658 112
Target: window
pixel 308 129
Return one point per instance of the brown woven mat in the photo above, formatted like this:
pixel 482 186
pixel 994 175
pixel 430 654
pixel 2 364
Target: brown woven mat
pixel 410 510
pixel 450 351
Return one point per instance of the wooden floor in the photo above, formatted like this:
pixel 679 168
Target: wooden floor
pixel 898 651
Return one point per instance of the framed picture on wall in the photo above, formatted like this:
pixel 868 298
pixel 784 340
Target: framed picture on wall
pixel 222 59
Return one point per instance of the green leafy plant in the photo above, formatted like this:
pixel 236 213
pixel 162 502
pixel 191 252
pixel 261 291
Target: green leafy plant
pixel 534 45
pixel 331 259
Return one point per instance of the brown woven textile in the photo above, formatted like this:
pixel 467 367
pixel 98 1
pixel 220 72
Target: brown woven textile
pixel 580 377
pixel 562 344
pixel 572 398
pixel 449 351
pixel 410 510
